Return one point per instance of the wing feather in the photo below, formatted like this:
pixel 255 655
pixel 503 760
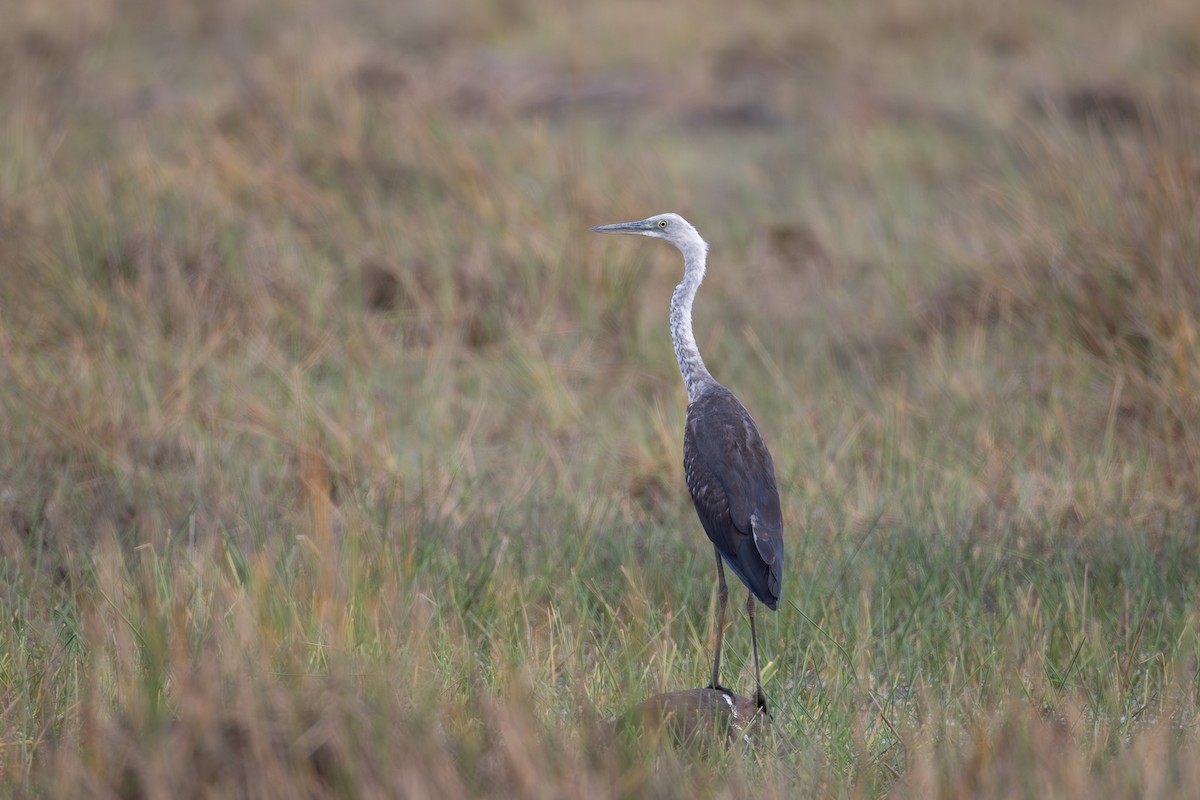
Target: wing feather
pixel 731 478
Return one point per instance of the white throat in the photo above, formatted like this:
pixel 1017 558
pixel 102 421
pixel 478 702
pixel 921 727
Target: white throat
pixel 696 377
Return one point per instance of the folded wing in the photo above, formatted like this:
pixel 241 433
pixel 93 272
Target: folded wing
pixel 731 478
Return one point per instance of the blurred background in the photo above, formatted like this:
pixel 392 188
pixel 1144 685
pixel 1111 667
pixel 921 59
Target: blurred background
pixel 236 230
pixel 292 292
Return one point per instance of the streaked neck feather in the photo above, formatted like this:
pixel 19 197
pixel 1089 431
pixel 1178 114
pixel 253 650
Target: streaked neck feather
pixel 696 377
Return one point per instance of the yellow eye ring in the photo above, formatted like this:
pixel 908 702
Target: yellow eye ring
pixel 662 223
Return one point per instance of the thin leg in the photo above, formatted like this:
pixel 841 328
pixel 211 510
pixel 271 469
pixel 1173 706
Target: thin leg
pixel 722 598
pixel 760 698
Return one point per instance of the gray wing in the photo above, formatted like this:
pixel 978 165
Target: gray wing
pixel 731 478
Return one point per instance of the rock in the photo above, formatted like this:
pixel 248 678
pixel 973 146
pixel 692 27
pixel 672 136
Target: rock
pixel 695 719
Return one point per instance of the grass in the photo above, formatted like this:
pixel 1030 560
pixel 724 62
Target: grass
pixel 337 460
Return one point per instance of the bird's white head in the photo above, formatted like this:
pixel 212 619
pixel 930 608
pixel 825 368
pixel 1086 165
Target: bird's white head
pixel 668 227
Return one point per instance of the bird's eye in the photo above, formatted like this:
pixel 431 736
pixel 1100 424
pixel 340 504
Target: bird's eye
pixel 662 223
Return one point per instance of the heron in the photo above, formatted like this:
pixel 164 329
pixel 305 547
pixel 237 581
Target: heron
pixel 726 464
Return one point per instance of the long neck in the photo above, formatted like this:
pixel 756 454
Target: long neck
pixel 691 365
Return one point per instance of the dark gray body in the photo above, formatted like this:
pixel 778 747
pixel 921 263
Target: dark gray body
pixel 731 478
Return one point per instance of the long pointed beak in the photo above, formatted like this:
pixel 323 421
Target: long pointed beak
pixel 624 227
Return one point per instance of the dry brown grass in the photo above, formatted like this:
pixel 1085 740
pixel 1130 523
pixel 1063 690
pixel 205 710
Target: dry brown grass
pixel 336 460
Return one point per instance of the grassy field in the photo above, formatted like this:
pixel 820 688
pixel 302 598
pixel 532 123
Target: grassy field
pixel 338 458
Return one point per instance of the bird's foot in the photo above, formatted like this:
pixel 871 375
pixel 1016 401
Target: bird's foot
pixel 761 700
pixel 716 687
